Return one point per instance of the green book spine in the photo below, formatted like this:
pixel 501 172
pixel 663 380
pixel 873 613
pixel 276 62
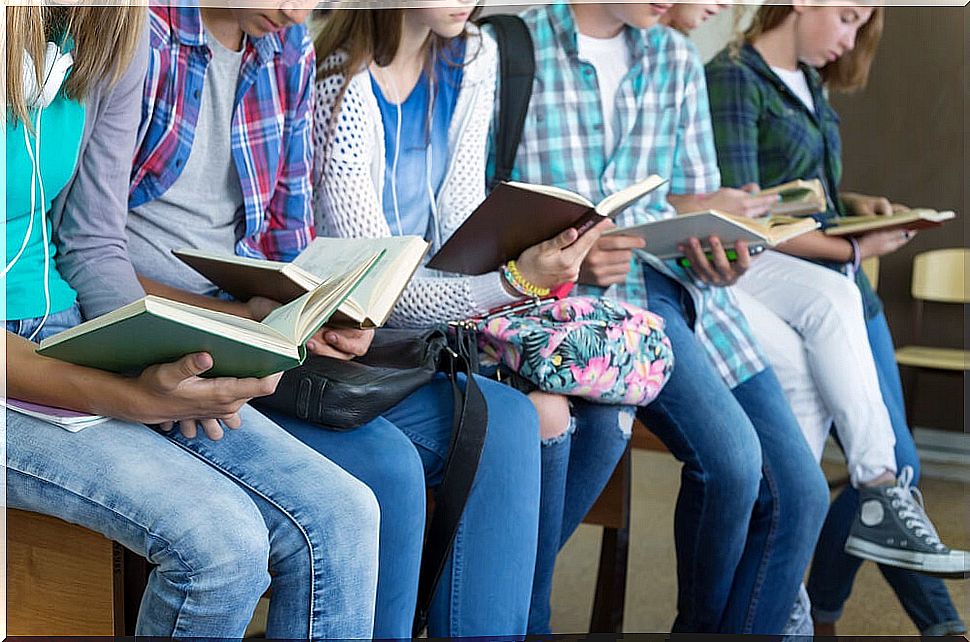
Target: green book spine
pixel 130 345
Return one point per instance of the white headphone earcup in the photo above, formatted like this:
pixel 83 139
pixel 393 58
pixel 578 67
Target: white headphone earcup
pixel 56 66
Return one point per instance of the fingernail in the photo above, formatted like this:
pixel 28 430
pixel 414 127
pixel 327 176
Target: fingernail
pixel 311 345
pixel 331 337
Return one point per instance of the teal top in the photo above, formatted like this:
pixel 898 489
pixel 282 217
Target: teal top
pixel 61 127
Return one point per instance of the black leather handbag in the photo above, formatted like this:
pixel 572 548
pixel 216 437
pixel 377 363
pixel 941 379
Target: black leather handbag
pixel 342 395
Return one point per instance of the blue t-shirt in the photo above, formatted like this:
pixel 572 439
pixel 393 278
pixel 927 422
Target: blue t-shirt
pixel 60 132
pixel 411 184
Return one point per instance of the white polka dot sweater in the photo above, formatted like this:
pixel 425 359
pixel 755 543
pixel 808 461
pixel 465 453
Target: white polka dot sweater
pixel 349 181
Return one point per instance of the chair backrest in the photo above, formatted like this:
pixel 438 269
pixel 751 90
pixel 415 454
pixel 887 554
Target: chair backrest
pixel 941 276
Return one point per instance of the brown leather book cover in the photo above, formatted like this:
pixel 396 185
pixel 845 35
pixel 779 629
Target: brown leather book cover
pixel 509 221
pixel 244 280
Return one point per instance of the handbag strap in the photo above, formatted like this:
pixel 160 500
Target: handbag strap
pixel 469 427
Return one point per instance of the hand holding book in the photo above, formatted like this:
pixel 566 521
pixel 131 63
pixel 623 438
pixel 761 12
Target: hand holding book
pixel 340 343
pixel 609 261
pixel 195 401
pixel 714 266
pixel 558 260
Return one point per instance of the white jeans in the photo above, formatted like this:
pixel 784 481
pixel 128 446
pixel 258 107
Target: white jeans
pixel 810 322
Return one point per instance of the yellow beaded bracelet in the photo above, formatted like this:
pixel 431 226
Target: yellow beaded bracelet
pixel 520 284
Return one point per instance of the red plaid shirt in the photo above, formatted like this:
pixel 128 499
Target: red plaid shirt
pixel 270 126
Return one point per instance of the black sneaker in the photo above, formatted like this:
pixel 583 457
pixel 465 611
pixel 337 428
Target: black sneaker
pixel 892 528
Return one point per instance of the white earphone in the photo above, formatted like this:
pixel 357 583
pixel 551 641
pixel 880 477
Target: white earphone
pixel 428 157
pixel 56 66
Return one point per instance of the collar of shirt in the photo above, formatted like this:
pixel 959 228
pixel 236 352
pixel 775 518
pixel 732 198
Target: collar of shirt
pixel 564 25
pixel 755 61
pixel 188 29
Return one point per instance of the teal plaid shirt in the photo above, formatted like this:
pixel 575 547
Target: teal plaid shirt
pixel 765 134
pixel 663 127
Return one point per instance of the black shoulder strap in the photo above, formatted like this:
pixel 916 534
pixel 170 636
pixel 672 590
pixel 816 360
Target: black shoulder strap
pixel 517 68
pixel 469 427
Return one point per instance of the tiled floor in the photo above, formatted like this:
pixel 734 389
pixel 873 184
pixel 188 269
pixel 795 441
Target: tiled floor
pixel 872 609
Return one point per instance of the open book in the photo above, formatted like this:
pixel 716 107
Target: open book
pixel 664 236
pixel 368 306
pixel 156 330
pixel 798 198
pixel 70 420
pixel 905 220
pixel 516 216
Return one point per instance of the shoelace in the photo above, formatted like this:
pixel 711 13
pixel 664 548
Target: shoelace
pixel 908 501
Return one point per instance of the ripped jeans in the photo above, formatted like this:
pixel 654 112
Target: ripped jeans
pixel 575 468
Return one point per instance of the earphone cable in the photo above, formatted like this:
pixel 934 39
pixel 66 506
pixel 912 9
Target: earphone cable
pixel 45 237
pixel 33 205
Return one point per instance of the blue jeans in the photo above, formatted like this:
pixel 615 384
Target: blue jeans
pixel 752 496
pixel 221 520
pixel 926 599
pixel 487 581
pixel 575 468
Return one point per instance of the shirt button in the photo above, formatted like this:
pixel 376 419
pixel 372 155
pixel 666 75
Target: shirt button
pixel 178 162
pixel 196 94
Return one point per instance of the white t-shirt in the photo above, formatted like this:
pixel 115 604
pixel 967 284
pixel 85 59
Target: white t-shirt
pixel 797 82
pixel 610 58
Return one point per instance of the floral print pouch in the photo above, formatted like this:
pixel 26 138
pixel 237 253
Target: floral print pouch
pixel 595 348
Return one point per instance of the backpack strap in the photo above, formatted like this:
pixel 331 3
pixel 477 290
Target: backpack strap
pixel 517 68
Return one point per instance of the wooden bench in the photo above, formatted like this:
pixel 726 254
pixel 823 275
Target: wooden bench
pixel 612 512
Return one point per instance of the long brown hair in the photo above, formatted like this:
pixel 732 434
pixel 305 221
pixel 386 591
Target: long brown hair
pixel 105 40
pixel 851 71
pixel 365 36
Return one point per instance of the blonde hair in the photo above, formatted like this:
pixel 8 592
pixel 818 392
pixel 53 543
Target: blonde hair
pixel 851 71
pixel 105 39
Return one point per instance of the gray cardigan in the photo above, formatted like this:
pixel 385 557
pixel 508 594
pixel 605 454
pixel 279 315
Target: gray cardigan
pixel 90 213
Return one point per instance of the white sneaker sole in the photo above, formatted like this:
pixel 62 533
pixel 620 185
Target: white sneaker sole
pixel 955 565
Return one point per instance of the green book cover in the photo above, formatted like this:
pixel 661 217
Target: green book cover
pixel 154 330
pixel 145 336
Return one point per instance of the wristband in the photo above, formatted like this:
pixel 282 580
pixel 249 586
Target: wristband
pixel 856 255
pixel 520 284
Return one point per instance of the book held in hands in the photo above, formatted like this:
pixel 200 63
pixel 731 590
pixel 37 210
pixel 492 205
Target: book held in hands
pixel 798 198
pixel 664 237
pixel 517 216
pixel 914 219
pixel 155 330
pixel 368 306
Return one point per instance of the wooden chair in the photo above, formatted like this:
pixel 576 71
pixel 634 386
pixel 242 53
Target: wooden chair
pixel 612 512
pixel 63 579
pixel 939 276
